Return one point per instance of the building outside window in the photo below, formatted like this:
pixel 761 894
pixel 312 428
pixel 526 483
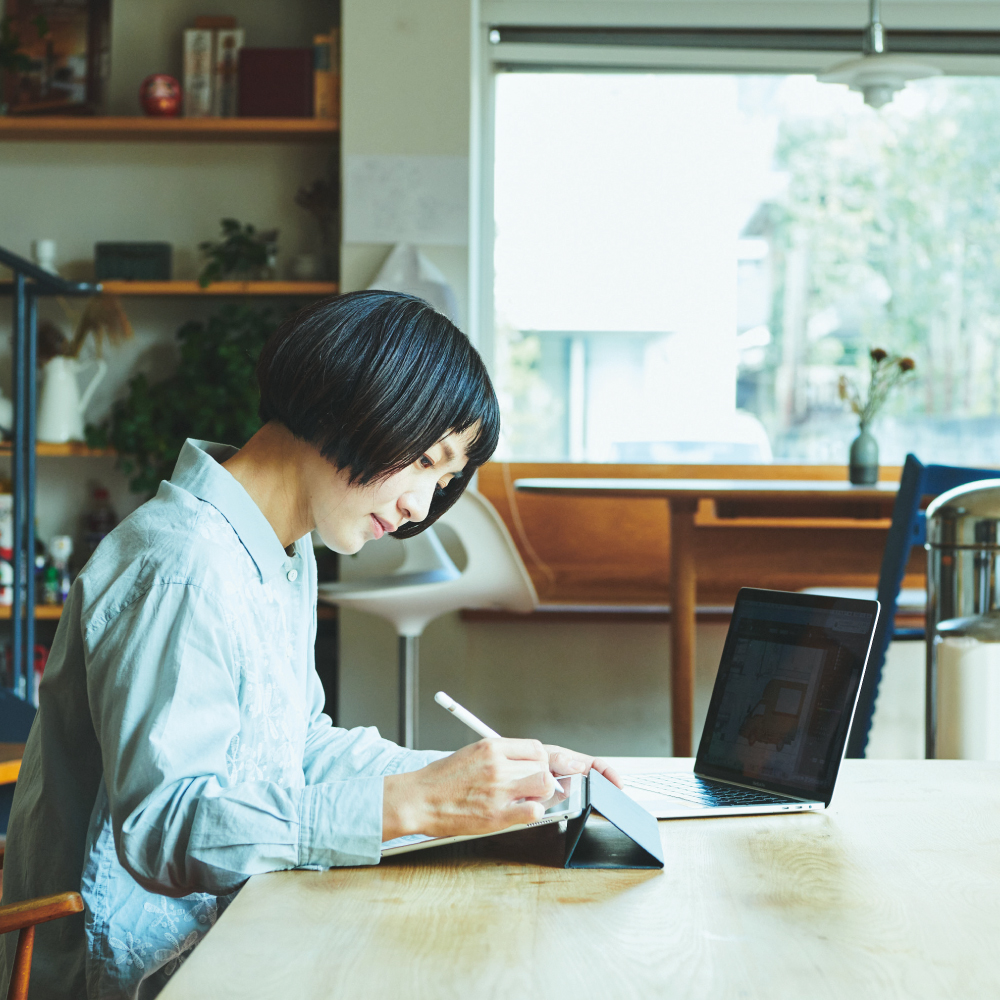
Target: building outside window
pixel 686 264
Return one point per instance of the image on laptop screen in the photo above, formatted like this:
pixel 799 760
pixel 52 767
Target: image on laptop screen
pixel 786 690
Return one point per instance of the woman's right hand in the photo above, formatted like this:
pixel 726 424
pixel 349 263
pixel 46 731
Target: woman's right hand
pixel 484 787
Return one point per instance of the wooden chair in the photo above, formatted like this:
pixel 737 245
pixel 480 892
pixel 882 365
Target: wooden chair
pixel 23 917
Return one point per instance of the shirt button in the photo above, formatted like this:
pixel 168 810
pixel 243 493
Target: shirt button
pixel 293 575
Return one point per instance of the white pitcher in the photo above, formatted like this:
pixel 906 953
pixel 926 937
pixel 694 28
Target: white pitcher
pixel 61 407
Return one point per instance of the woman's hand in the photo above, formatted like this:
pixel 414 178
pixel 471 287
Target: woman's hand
pixel 484 787
pixel 563 761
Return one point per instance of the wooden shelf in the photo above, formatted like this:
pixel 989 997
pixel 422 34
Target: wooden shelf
pixel 71 449
pixel 309 288
pixel 52 612
pixel 47 612
pixel 138 129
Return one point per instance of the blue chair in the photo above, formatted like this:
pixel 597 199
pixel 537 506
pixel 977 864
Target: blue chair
pixel 16 717
pixel 909 529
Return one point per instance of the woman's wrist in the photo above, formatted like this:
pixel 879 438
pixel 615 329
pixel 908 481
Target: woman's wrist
pixel 401 814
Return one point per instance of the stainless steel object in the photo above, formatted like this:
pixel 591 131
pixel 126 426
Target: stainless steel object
pixel 963 577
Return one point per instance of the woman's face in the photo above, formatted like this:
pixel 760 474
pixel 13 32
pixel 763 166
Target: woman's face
pixel 348 516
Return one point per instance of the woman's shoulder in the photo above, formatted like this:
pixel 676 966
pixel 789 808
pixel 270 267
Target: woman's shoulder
pixel 175 538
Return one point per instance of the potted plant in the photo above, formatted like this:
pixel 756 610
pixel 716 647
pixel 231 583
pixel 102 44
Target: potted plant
pixel 242 253
pixel 886 372
pixel 212 395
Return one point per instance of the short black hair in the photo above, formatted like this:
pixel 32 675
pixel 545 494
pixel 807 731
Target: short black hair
pixel 373 379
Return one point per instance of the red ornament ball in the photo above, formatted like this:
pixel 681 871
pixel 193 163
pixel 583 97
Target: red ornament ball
pixel 160 96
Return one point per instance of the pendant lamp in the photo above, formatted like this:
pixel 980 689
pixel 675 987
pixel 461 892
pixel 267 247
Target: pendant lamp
pixel 877 75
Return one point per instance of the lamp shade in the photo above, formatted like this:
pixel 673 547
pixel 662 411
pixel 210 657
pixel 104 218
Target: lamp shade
pixel 878 76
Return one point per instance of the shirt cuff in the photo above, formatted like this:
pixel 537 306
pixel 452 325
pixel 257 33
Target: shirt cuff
pixel 340 823
pixel 413 760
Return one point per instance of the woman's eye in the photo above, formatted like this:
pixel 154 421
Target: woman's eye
pixel 425 462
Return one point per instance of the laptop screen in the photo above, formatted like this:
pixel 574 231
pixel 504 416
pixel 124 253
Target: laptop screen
pixel 786 690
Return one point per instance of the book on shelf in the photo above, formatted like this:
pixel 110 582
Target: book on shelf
pixel 276 83
pixel 326 75
pixel 198 73
pixel 226 64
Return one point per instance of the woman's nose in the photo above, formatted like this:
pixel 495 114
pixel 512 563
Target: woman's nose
pixel 415 506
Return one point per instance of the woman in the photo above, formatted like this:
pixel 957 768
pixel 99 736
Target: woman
pixel 180 745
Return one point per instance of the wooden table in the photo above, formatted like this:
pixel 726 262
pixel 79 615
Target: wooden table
pixel 733 498
pixel 10 762
pixel 892 893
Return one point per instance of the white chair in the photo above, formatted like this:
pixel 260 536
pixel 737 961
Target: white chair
pixel 429 584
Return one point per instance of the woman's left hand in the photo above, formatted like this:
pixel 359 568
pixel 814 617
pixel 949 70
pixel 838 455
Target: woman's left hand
pixel 563 761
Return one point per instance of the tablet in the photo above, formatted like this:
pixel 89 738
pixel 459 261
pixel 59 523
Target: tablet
pixel 568 804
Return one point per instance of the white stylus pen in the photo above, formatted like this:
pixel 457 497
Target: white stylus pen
pixel 476 725
pixel 464 715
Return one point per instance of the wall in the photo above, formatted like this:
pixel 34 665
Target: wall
pixel 81 192
pixel 406 91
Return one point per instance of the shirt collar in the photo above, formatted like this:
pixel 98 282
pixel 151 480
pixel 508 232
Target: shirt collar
pixel 199 471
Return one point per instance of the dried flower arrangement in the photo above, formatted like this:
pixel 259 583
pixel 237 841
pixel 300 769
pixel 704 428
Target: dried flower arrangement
pixel 887 371
pixel 103 318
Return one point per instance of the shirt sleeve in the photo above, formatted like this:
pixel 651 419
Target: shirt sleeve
pixel 332 754
pixel 163 691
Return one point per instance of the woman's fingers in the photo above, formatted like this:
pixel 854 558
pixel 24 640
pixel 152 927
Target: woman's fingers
pixel 523 750
pixel 539 785
pixel 563 761
pixel 526 811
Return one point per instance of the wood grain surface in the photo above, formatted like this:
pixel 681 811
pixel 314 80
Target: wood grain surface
pixel 615 550
pixel 894 892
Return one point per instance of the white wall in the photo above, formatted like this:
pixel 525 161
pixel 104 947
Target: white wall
pixel 406 91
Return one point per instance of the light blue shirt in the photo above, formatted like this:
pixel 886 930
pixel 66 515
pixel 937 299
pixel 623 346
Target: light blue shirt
pixel 181 746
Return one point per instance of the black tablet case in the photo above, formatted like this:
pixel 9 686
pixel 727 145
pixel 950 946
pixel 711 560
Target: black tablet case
pixel 630 838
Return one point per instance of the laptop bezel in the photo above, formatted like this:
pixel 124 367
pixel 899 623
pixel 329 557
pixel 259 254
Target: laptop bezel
pixel 812 602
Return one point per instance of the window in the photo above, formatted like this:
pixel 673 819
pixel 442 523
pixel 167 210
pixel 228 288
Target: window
pixel 686 264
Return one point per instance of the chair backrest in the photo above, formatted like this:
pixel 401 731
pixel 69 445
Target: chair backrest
pixel 909 528
pixel 23 917
pixel 494 575
pixel 428 584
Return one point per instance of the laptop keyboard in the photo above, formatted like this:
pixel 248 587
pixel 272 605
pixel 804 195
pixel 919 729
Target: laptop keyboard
pixel 690 788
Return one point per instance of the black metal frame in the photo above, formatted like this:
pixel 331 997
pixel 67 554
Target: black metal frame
pixel 29 284
pixel 847 40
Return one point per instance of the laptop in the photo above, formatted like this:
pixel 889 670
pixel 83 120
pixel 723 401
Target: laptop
pixel 781 709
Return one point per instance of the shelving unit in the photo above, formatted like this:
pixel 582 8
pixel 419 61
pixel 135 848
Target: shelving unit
pixel 71 449
pixel 53 612
pixel 136 129
pixel 43 612
pixel 301 139
pixel 236 288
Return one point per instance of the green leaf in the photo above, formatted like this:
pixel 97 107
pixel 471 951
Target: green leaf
pixel 212 395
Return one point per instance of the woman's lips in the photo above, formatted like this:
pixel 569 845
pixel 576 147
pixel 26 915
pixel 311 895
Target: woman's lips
pixel 379 526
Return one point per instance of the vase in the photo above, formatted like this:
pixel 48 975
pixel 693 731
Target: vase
pixel 61 405
pixel 864 459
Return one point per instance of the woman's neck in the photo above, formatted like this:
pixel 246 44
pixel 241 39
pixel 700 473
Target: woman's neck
pixel 269 467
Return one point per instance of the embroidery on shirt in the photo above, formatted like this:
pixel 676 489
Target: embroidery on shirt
pixel 173 957
pixel 131 951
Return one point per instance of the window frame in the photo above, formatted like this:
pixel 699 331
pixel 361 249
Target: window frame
pixel 725 19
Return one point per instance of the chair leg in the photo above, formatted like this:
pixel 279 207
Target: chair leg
pixel 18 988
pixel 409 688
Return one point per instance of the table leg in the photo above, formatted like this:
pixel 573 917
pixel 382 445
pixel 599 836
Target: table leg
pixel 682 623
